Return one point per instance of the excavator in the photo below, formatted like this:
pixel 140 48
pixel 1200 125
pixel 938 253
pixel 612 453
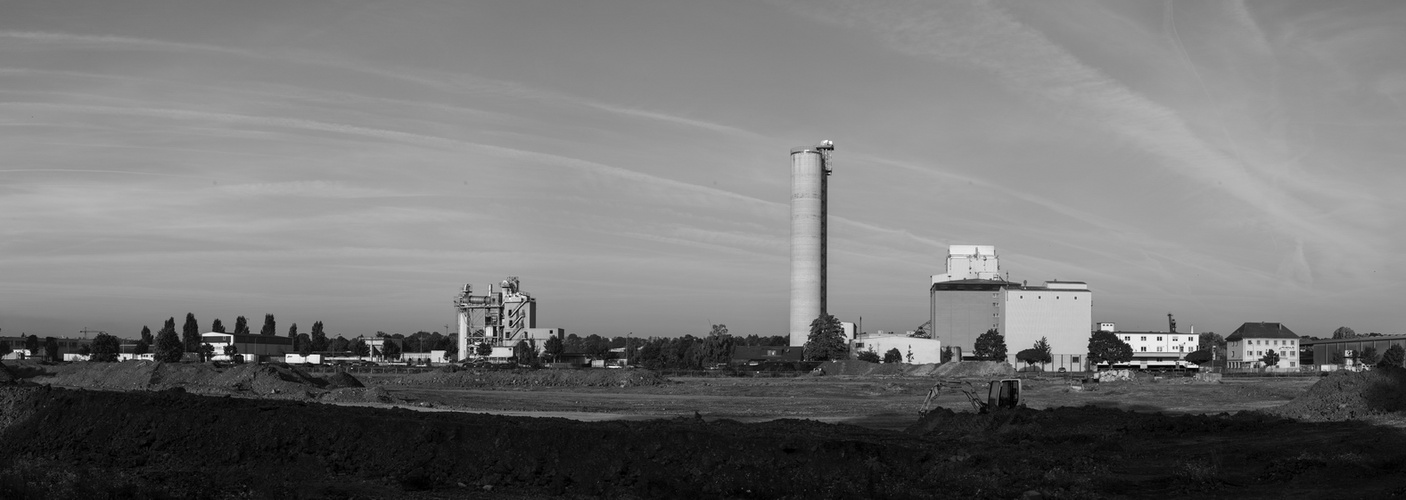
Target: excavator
pixel 1004 393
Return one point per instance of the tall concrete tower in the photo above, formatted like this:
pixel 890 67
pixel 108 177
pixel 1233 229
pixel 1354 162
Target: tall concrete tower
pixel 810 167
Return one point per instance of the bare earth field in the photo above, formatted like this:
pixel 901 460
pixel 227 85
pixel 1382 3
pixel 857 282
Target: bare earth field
pixel 881 403
pixel 144 430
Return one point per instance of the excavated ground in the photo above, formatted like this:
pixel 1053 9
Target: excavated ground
pixel 66 443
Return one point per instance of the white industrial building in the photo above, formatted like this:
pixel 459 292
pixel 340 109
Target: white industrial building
pixel 253 347
pixel 914 349
pixel 1156 350
pixel 973 297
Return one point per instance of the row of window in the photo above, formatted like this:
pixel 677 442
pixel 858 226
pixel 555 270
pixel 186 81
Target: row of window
pixel 1271 342
pixel 1129 338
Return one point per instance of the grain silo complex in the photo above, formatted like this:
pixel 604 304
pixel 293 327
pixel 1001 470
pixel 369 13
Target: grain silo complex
pixel 810 168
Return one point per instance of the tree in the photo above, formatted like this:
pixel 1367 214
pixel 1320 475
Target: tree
pixel 216 326
pixel 241 326
pixel 946 354
pixel 339 344
pixel 1029 357
pixel 1270 358
pixel 1046 353
pixel 869 355
pixel 552 348
pixel 526 352
pixel 85 350
pixel 990 346
pixel 5 348
pixel 231 350
pixel 1368 356
pixel 360 349
pixel 483 349
pixel 207 351
pixel 1105 347
pixel 269 326
pixel 293 335
pixel 1199 357
pixel 1344 332
pixel 1393 357
pixel 168 346
pixel 717 348
pixel 1213 343
pixel 51 348
pixel 190 333
pixel 105 348
pixel 893 356
pixel 304 344
pixel 319 337
pixel 392 349
pixel 146 336
pixel 31 343
pixel 142 347
pixel 826 341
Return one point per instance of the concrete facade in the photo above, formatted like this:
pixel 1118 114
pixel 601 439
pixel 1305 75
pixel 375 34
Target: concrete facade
pixel 914 350
pixel 1060 312
pixel 810 171
pixel 972 297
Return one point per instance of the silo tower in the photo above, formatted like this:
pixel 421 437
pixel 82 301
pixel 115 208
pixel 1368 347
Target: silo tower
pixel 810 167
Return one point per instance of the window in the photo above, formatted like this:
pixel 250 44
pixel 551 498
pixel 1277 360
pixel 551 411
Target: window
pixel 1073 359
pixel 1144 339
pixel 1127 338
pixel 1144 348
pixel 1159 339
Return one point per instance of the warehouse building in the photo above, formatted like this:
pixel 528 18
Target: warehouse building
pixel 973 297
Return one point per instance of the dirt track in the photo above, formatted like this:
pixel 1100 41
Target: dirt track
pixel 68 443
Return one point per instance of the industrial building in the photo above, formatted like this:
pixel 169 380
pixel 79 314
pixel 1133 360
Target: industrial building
pixel 253 347
pixel 915 350
pixel 810 169
pixel 1157 350
pixel 972 297
pixel 1344 352
pixel 501 318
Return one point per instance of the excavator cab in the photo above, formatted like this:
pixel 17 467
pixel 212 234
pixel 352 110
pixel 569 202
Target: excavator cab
pixel 1004 393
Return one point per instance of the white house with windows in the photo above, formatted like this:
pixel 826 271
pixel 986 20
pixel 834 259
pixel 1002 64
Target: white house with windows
pixel 1156 350
pixel 1247 347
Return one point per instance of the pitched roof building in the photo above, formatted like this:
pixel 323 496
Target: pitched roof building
pixel 1248 345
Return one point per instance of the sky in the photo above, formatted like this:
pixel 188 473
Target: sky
pixel 358 162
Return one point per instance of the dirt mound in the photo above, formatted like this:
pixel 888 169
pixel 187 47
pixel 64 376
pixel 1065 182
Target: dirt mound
pixel 1348 396
pixel 357 395
pixel 343 379
pixel 974 369
pixel 271 380
pixel 5 375
pixel 859 368
pixel 532 378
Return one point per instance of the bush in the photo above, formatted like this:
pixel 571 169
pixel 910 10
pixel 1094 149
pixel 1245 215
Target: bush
pixel 1393 357
pixel 893 356
pixel 870 356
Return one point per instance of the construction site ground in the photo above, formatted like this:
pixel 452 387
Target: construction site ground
pixel 151 430
pixel 890 402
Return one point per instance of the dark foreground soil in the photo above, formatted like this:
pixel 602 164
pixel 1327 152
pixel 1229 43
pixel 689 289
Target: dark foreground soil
pixel 61 443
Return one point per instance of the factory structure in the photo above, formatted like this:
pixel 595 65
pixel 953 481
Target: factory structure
pixel 973 297
pixel 500 318
pixel 810 170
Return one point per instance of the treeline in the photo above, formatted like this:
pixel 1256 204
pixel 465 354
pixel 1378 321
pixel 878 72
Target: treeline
pixel 660 353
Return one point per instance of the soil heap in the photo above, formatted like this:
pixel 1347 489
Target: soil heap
pixel 268 381
pixel 5 375
pixel 964 369
pixel 488 379
pixel 1349 395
